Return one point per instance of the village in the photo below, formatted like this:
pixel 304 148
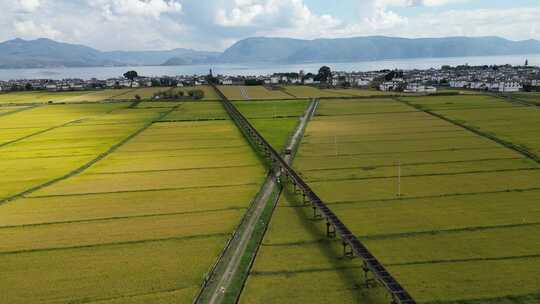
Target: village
pixel 505 78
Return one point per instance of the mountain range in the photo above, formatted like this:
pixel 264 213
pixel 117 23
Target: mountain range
pixel 45 53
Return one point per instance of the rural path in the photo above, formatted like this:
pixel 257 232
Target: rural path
pixel 230 263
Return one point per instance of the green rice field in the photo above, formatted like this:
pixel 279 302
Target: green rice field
pixel 142 224
pixel 103 200
pixel 451 214
pixel 513 123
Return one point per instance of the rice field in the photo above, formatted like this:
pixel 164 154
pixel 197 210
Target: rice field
pixel 132 203
pixel 142 224
pixel 209 92
pixel 453 215
pixel 532 97
pixel 314 92
pixel 275 120
pixel 252 93
pixel 512 123
pixel 143 93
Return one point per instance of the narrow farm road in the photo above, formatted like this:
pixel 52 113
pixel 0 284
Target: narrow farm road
pixel 230 264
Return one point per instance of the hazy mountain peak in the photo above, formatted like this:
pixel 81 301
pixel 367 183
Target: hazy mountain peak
pixel 43 52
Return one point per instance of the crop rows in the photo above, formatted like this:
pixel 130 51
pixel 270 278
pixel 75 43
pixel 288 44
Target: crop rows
pixel 452 215
pixel 144 224
pixel 513 123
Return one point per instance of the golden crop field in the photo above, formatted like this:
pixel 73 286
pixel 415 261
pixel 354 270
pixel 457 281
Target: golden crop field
pixel 513 123
pixel 198 111
pixel 296 264
pixel 121 202
pixel 143 93
pixel 209 93
pixel 40 97
pixel 252 93
pixel 434 202
pixel 314 92
pixel 532 97
pixel 146 221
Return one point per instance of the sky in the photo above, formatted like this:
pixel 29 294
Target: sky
pixel 214 25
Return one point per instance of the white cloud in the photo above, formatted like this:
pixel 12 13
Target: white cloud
pixel 149 8
pixel 216 24
pixel 29 5
pixel 412 3
pixel 29 28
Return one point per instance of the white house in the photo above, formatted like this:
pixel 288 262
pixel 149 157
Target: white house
pixel 309 80
pixel 389 85
pixel 274 80
pixel 51 87
pixel 419 88
pixel 459 84
pixel 227 81
pixel 295 80
pixel 110 83
pixel 510 86
pixel 362 82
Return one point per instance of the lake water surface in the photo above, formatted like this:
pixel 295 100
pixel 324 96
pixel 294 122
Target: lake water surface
pixel 263 69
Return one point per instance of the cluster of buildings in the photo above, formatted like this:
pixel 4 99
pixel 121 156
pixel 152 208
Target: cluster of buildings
pixel 490 78
pixel 503 78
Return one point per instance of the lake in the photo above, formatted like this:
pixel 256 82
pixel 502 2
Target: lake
pixel 263 69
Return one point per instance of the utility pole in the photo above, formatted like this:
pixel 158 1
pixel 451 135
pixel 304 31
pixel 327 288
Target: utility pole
pixel 335 145
pixel 398 178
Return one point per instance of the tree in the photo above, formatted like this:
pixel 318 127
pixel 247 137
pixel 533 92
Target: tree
pixel 131 75
pixel 196 94
pixel 325 74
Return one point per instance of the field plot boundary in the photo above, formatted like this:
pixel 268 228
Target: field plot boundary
pixel 234 273
pixel 351 244
pixel 90 163
pixel 39 132
pixel 511 99
pixel 522 150
pixel 292 145
pixel 23 108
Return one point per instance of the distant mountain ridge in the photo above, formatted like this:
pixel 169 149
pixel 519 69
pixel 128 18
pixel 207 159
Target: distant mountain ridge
pixel 45 53
pixel 371 48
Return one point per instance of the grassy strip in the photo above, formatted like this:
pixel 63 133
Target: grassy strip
pixel 446 231
pixel 513 100
pixel 503 258
pixel 520 149
pixel 239 281
pixel 187 120
pixel 179 238
pixel 146 190
pixel 413 164
pixel 171 170
pixel 412 198
pixel 516 299
pixel 39 132
pixel 17 110
pixel 88 164
pixel 421 175
pixel 402 152
pixel 364 113
pixel 307 270
pixel 121 218
pixel 131 296
pixel 248 258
